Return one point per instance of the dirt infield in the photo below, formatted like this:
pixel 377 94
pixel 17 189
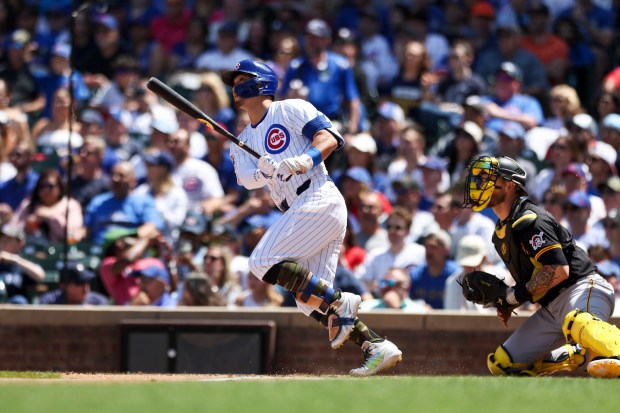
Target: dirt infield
pixel 107 377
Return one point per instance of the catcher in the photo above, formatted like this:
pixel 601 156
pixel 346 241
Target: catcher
pixel 549 269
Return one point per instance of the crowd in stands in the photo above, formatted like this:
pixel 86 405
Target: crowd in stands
pixel 110 196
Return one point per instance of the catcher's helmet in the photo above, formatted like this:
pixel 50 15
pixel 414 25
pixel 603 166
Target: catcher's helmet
pixel 483 171
pixel 263 83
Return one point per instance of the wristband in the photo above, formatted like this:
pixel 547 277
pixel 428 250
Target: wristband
pixel 510 296
pixel 315 155
pixel 522 294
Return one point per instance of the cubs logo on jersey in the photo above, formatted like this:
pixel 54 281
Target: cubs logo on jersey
pixel 277 139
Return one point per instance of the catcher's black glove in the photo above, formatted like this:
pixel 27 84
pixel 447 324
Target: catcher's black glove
pixel 484 288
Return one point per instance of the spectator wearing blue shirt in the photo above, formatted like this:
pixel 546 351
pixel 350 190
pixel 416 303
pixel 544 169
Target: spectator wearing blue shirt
pixel 74 288
pixel 533 75
pixel 428 280
pixel 327 76
pixel 121 208
pixel 154 287
pixel 508 103
pixel 58 77
pixel 15 190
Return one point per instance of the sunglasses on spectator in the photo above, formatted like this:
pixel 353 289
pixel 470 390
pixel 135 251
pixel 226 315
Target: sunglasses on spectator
pixel 211 258
pixel 611 225
pixel 395 227
pixel 559 147
pixel 47 186
pixel 552 201
pixel 388 284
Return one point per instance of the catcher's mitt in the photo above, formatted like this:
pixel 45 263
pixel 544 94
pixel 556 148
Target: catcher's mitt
pixel 484 288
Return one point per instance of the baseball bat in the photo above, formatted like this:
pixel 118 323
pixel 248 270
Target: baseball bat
pixel 165 92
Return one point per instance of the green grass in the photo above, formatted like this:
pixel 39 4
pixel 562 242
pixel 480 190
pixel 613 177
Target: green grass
pixel 342 395
pixel 29 375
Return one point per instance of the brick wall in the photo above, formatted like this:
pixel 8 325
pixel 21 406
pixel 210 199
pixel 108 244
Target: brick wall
pixel 63 338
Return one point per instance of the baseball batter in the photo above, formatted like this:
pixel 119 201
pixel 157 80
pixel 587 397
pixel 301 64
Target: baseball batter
pixel 300 252
pixel 549 269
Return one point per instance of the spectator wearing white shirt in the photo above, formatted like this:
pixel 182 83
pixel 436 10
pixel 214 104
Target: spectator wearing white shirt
pixel 227 52
pixel 199 179
pixel 399 254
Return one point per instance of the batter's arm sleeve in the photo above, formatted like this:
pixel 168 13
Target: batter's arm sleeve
pixel 248 175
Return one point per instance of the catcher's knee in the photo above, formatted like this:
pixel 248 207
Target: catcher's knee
pixel 592 333
pixel 500 364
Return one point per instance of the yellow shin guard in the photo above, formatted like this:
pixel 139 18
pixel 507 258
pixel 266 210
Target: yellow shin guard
pixel 500 363
pixel 592 333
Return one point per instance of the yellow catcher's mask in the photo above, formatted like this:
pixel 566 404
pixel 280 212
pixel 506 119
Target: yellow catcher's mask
pixel 480 182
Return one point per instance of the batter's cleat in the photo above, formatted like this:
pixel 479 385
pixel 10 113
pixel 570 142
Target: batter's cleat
pixel 604 367
pixel 378 357
pixel 341 323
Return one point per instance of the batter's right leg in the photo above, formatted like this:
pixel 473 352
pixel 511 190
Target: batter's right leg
pixel 379 353
pixel 319 295
pixel 597 336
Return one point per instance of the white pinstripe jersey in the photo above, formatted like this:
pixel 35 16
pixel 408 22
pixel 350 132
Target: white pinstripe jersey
pixel 281 134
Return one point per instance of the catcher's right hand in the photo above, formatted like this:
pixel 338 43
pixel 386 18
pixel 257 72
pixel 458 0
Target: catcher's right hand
pixel 484 288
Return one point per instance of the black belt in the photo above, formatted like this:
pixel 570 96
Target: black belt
pixel 300 190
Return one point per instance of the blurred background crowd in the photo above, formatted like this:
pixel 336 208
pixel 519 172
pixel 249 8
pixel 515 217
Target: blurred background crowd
pixel 109 196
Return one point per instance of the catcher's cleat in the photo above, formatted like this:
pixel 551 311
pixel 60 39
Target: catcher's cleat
pixel 378 357
pixel 604 367
pixel 340 325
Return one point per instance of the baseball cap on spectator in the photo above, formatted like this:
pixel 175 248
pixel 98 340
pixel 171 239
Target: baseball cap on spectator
pixel 391 111
pixel 513 130
pixel 230 28
pixel 612 121
pixel 114 234
pixel 363 142
pixel 510 69
pixel 538 6
pixel 158 157
pixel 611 186
pixel 359 174
pixel 318 28
pixel 576 169
pixel 153 271
pixel 76 273
pixel 434 163
pixel 505 24
pixel 61 50
pixel 483 9
pixel 405 183
pixel 471 129
pixel 108 21
pixel 442 236
pixel 164 120
pixel 19 39
pixel 470 251
pixel 580 199
pixel 194 223
pixel 122 116
pixel 608 268
pixel 13 231
pixel 586 122
pixel 606 152
pixel 475 103
pixel 92 116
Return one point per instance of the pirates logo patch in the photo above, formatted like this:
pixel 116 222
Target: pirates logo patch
pixel 277 139
pixel 504 249
pixel 537 241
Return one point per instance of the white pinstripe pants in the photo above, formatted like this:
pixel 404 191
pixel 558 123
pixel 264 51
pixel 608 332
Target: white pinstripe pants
pixel 309 233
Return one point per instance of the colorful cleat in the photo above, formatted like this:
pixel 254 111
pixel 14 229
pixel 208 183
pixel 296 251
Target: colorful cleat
pixel 378 357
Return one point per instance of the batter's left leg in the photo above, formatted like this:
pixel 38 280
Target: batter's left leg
pixel 319 295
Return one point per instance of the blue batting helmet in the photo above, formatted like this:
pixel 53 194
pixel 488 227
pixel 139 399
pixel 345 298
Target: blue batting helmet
pixel 263 83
